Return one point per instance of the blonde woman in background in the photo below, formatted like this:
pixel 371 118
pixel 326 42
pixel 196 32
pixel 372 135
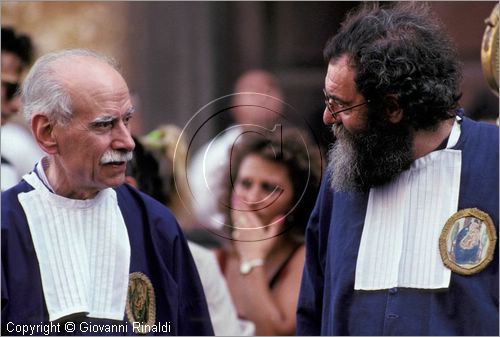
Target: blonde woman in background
pixel 170 150
pixel 165 142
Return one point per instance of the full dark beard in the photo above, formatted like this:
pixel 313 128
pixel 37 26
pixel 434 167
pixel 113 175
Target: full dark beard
pixel 370 158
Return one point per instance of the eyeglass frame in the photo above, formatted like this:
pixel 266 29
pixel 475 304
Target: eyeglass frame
pixel 335 113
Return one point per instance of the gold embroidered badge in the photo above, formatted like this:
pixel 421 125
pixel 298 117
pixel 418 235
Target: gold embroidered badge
pixel 141 307
pixel 467 242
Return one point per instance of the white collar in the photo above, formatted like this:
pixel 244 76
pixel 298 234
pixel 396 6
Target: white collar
pixel 82 248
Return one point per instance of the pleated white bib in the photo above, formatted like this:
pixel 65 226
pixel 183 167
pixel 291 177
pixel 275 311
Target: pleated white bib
pixel 400 241
pixel 83 251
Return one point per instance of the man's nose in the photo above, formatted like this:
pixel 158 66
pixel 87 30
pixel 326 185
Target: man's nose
pixel 123 138
pixel 329 118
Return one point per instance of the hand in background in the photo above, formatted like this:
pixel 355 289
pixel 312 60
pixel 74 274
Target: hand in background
pixel 253 239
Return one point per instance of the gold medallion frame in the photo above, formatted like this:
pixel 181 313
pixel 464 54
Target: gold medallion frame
pixel 144 327
pixel 492 238
pixel 489 50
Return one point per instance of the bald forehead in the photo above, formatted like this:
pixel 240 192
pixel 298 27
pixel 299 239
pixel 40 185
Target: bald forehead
pixel 78 69
pixel 91 82
pixel 96 89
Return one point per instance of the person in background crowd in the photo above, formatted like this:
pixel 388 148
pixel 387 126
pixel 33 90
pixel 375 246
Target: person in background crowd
pixel 144 173
pixel 406 169
pixel 19 150
pixel 270 187
pixel 257 104
pixel 170 150
pixel 78 245
pixel 17 53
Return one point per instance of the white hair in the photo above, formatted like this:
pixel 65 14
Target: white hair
pixel 41 91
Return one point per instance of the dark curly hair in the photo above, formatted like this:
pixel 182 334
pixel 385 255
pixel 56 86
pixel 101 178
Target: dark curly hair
pixel 18 44
pixel 294 150
pixel 401 51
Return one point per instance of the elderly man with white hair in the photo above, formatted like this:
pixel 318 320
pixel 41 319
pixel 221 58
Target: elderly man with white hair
pixel 78 245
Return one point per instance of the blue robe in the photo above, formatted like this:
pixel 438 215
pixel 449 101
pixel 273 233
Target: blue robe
pixel 158 249
pixel 328 303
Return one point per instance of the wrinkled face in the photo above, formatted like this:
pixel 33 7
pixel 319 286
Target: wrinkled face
pixel 11 70
pixel 341 88
pixel 93 148
pixel 263 187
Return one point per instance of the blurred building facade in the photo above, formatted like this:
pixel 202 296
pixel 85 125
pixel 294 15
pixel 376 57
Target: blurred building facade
pixel 180 56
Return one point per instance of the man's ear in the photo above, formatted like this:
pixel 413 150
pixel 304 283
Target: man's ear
pixel 393 111
pixel 43 130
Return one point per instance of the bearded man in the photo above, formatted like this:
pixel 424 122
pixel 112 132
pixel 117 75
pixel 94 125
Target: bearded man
pixel 406 172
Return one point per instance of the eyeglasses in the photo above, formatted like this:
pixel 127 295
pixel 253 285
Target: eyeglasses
pixel 11 90
pixel 332 104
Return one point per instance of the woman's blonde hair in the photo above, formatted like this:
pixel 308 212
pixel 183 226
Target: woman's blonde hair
pixel 170 150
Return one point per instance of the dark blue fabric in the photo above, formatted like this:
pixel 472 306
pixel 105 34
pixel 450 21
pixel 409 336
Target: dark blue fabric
pixel 158 249
pixel 328 304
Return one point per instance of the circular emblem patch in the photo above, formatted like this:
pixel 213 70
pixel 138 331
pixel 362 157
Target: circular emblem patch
pixel 141 308
pixel 467 242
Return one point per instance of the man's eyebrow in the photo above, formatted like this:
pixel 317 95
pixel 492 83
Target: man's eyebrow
pixel 338 99
pixel 103 119
pixel 130 111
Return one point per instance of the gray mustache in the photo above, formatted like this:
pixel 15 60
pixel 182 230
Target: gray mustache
pixel 116 156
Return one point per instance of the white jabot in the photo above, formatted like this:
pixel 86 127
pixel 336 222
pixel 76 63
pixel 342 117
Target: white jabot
pixel 400 241
pixel 83 251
